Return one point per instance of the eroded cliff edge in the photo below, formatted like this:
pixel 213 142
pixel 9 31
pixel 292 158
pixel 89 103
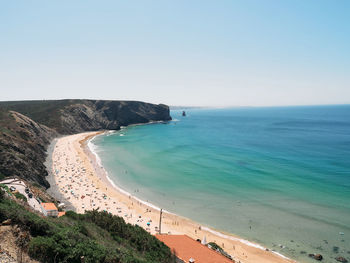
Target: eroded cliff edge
pixel 27 127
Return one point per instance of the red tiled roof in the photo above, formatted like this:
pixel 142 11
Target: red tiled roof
pixel 61 214
pixel 186 248
pixel 49 206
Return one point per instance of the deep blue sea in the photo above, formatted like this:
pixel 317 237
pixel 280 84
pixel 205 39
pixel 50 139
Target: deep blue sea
pixel 279 176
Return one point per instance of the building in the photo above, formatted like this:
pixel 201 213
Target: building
pixel 61 214
pixel 49 209
pixel 190 250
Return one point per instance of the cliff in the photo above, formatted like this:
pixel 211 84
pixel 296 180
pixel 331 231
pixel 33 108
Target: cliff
pixel 73 116
pixel 23 147
pixel 27 127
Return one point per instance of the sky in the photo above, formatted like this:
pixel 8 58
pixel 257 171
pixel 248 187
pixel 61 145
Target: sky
pixel 184 52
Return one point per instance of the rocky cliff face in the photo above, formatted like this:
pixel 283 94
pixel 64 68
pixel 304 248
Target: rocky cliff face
pixel 109 115
pixel 23 145
pixel 73 116
pixel 26 128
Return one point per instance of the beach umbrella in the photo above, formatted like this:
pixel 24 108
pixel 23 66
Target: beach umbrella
pixel 148 223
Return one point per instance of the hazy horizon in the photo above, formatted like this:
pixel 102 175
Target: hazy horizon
pixel 183 53
pixel 172 107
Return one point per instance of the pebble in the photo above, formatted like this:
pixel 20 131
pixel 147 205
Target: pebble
pixel 5 258
pixel 317 256
pixel 341 259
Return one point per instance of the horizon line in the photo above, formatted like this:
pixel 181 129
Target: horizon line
pixel 188 106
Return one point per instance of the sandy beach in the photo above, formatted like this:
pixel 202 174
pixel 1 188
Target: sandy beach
pixel 83 182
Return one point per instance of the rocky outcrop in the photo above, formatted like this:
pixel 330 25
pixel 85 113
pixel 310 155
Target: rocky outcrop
pixel 341 259
pixel 316 256
pixel 26 128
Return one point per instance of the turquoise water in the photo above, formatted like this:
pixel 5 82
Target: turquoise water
pixel 276 176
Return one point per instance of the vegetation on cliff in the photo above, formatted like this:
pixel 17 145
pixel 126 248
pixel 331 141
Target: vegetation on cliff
pixel 94 237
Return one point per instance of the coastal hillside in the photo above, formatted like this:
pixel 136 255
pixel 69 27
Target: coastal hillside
pixel 27 127
pixel 25 236
pixel 73 116
pixel 23 145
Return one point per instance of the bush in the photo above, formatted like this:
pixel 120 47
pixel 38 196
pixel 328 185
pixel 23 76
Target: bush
pixel 72 215
pixel 135 235
pixel 21 197
pixel 42 248
pixel 69 245
pixel 37 185
pixel 5 187
pixel 97 236
pixel 32 222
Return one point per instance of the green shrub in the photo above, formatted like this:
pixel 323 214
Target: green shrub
pixel 72 215
pixel 139 238
pixel 5 187
pixel 32 222
pixel 69 245
pixel 37 185
pixel 21 197
pixel 42 248
pixel 96 236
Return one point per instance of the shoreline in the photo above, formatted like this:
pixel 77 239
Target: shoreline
pixel 131 208
pixel 88 149
pixel 53 189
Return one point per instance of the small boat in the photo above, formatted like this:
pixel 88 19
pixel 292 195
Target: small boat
pixel 183 113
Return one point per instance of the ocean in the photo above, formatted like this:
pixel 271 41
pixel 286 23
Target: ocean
pixel 278 176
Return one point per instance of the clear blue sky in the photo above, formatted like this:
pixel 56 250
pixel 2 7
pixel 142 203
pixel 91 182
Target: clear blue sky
pixel 213 53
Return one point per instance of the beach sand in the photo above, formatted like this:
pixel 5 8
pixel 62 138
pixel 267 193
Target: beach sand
pixel 82 181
